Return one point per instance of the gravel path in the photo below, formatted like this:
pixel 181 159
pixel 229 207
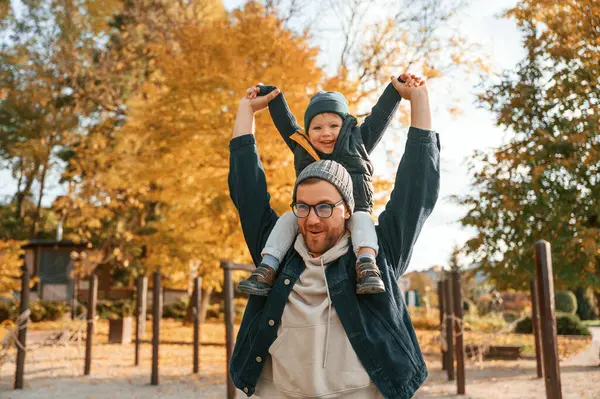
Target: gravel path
pixel 58 374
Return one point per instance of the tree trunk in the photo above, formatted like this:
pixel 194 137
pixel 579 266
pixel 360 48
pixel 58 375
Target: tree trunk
pixel 36 216
pixel 204 300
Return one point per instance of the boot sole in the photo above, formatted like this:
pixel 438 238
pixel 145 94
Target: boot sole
pixel 252 290
pixel 370 289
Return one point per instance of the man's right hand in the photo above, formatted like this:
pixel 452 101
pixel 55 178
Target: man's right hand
pixel 256 102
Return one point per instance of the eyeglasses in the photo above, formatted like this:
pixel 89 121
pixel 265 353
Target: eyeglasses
pixel 322 210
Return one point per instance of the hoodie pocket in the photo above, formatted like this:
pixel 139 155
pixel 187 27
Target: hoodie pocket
pixel 297 357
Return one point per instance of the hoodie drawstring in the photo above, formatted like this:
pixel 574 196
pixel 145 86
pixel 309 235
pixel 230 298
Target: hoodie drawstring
pixel 328 315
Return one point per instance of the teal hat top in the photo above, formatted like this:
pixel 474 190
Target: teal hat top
pixel 325 101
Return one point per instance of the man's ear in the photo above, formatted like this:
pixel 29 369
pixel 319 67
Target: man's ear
pixel 347 213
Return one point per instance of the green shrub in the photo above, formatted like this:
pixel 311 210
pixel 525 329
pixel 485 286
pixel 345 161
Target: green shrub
pixel 8 311
pixel 566 324
pixel 524 326
pixel 176 310
pixel 115 309
pixel 54 310
pixel 570 324
pixel 565 302
pixel 38 311
pixel 484 304
pixel 510 316
pixel 586 309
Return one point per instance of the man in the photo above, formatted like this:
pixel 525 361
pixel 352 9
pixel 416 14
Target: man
pixel 313 336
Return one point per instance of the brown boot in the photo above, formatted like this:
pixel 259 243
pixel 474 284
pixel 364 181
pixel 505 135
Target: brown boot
pixel 259 282
pixel 368 277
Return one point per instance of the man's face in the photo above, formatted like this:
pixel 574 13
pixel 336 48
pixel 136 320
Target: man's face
pixel 320 234
pixel 324 130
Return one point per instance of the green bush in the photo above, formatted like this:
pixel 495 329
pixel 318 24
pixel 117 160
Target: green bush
pixel 176 310
pixel 38 311
pixel 585 304
pixel 524 326
pixel 115 309
pixel 565 302
pixel 566 324
pixel 54 310
pixel 570 324
pixel 510 316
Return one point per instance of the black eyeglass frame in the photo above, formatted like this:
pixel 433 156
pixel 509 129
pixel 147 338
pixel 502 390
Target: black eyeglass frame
pixel 294 207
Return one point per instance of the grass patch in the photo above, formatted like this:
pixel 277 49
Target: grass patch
pixel 591 323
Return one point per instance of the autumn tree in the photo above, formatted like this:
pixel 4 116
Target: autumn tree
pixel 543 184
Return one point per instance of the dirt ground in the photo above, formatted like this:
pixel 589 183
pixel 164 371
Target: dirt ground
pixel 57 373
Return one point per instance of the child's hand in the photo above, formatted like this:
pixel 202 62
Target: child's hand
pixel 413 86
pixel 256 102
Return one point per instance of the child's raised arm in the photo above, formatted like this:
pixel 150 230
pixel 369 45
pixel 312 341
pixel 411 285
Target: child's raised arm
pixel 377 122
pixel 282 116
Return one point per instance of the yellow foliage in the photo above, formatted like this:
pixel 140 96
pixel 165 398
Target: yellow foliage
pixel 10 265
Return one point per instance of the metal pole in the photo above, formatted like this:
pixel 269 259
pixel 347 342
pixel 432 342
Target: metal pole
pixel 156 316
pixel 458 328
pixel 536 328
pixel 91 322
pixel 229 315
pixel 23 321
pixel 545 286
pixel 449 330
pixel 197 298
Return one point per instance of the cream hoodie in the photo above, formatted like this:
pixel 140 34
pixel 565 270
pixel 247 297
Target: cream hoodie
pixel 312 356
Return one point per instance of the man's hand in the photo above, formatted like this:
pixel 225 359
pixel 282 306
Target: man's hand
pixel 256 102
pixel 413 87
pixel 415 90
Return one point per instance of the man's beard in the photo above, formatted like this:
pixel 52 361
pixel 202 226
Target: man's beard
pixel 326 240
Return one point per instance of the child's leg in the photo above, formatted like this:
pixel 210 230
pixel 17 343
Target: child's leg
pixel 280 240
pixel 364 243
pixel 364 237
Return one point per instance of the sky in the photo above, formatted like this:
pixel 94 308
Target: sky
pixel 473 130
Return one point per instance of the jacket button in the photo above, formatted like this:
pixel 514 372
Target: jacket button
pixel 258 359
pixel 286 281
pixel 271 323
pixel 246 389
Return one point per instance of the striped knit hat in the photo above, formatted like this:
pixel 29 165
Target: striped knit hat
pixel 331 172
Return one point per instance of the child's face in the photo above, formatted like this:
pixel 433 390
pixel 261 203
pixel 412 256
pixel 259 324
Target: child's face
pixel 324 130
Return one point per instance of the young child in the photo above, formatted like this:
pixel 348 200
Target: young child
pixel 332 134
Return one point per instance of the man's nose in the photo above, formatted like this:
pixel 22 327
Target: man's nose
pixel 312 217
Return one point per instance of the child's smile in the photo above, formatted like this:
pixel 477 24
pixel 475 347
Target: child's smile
pixel 324 130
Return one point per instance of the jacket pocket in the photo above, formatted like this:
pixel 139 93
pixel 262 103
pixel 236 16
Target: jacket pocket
pixel 395 335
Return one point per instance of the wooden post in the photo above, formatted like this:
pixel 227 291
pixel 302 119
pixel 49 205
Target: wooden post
pixel 74 301
pixel 440 289
pixel 458 329
pixel 156 316
pixel 197 297
pixel 449 329
pixel 229 319
pixel 140 320
pixel 547 319
pixel 536 328
pixel 23 321
pixel 91 322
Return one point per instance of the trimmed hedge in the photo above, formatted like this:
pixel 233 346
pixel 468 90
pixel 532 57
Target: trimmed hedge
pixel 566 324
pixel 176 310
pixel 565 302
